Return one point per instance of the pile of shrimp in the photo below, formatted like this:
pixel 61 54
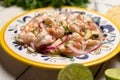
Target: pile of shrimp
pixel 60 33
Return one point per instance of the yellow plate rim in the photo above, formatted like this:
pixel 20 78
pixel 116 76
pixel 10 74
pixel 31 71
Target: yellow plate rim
pixel 55 66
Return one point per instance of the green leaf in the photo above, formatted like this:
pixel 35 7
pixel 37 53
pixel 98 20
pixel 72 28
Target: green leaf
pixel 33 4
pixel 9 2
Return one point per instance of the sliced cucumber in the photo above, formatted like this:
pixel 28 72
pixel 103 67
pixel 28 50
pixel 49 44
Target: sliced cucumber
pixel 30 49
pixel 88 34
pixel 57 42
pixel 19 41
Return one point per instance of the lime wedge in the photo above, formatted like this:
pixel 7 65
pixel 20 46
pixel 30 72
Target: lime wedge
pixel 112 74
pixel 75 71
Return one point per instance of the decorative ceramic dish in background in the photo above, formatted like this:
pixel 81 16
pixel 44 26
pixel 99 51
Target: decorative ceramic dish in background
pixel 109 48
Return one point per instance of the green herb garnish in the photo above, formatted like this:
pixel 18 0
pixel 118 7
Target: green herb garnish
pixel 33 4
pixel 65 44
pixel 67 31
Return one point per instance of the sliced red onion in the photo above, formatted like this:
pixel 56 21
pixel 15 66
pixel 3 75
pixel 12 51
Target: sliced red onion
pixel 83 45
pixel 41 25
pixel 41 47
pixel 25 46
pixel 32 45
pixel 64 12
pixel 65 40
pixel 50 48
pixel 95 48
pixel 53 39
pixel 77 51
pixel 68 20
pixel 46 47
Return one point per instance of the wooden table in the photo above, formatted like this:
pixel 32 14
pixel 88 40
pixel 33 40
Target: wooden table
pixel 11 69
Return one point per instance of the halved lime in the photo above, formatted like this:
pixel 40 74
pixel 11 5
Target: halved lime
pixel 75 71
pixel 112 74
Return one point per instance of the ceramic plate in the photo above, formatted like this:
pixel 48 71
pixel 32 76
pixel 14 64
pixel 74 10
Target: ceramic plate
pixel 109 48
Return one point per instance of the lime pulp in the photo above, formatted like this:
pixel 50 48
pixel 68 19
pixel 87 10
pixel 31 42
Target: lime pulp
pixel 112 74
pixel 75 71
